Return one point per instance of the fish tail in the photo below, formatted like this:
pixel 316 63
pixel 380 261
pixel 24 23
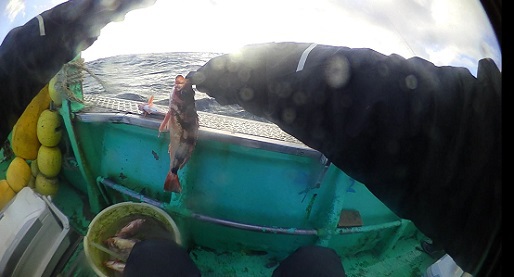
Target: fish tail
pixel 172 183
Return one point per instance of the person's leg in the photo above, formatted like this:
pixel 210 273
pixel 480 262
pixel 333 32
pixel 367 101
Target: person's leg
pixel 159 257
pixel 311 261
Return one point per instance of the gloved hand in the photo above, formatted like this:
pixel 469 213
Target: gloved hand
pixel 407 129
pixel 30 58
pixel 235 79
pixel 157 257
pixel 79 22
pixel 252 77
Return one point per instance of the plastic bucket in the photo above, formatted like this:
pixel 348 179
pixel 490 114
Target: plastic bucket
pixel 108 221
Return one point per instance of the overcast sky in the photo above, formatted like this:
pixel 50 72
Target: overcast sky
pixel 445 32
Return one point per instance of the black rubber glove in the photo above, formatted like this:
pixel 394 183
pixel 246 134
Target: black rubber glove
pixel 30 58
pixel 159 257
pixel 420 137
pixel 253 77
pixel 79 22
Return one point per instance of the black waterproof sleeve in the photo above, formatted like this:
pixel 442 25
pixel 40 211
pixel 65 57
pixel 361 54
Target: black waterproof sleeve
pixel 426 140
pixel 32 54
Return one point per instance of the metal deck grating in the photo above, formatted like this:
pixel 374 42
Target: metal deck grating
pixel 111 104
pixel 229 124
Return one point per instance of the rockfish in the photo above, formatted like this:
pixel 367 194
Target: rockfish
pixel 122 247
pixel 115 265
pixel 130 229
pixel 120 244
pixel 182 122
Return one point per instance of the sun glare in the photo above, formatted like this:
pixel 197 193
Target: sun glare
pixel 434 30
pixel 14 7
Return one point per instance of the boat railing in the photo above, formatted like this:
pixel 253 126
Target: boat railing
pixel 249 133
pixel 321 233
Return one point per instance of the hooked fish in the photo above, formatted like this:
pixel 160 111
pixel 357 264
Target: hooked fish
pixel 181 121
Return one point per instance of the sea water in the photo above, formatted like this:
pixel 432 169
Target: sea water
pixel 139 76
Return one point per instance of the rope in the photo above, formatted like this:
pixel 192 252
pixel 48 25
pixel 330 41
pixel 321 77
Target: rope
pixel 72 74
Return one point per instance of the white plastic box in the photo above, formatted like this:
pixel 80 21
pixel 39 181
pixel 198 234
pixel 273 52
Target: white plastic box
pixel 444 267
pixel 33 236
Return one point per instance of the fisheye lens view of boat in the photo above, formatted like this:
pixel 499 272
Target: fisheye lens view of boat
pixel 262 138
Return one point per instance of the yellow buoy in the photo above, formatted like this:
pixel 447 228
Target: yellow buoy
pixel 49 129
pixel 6 193
pixel 46 185
pixel 18 174
pixel 55 95
pixel 32 182
pixel 49 160
pixel 33 168
pixel 25 143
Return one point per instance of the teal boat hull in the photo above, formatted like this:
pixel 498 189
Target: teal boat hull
pixel 251 193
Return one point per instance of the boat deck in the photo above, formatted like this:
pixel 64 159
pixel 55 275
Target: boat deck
pixel 380 245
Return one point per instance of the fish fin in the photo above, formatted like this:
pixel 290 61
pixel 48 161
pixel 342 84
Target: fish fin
pixel 149 104
pixel 165 123
pixel 172 183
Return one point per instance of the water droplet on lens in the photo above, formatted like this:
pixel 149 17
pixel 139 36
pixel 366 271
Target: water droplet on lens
pixel 244 75
pixel 283 89
pixel 198 78
pixel 299 98
pixel 383 70
pixel 337 73
pixel 411 82
pixel 246 94
pixel 218 63
pixel 288 115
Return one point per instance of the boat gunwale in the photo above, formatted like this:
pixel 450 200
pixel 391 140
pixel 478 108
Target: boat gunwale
pixel 206 133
